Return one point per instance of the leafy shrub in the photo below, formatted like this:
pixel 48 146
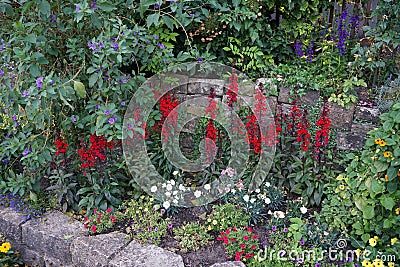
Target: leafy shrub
pixel 225 216
pixel 192 236
pixel 147 222
pixel 240 244
pixel 99 221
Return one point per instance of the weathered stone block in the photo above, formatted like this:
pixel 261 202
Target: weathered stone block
pixel 229 264
pixel 367 114
pixel 361 128
pixel 10 226
pixel 203 86
pixel 341 117
pixel 310 98
pixel 52 236
pixel 91 251
pixel 31 257
pixel 138 255
pixel 350 141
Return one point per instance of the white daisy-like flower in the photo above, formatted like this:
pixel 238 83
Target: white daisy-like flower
pixel 303 210
pixel 175 173
pixel 197 193
pixel 246 198
pixel 267 184
pixel 267 200
pixel 207 186
pixel 181 187
pixel 252 200
pixel 233 191
pixel 166 205
pixel 163 185
pixel 168 194
pixel 175 201
pixel 169 187
pixel 257 190
pixel 174 192
pixel 172 182
pixel 279 214
pixel 153 189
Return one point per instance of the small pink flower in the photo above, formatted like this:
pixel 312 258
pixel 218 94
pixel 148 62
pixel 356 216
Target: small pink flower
pixel 94 228
pixel 246 237
pixel 95 211
pixel 113 219
pixel 109 210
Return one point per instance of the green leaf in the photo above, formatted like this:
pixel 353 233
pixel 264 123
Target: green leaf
pixel 381 166
pixel 392 173
pixel 80 89
pixel 360 203
pixel 93 79
pixel 387 202
pixel 153 19
pixel 387 223
pixel 44 8
pixel 368 212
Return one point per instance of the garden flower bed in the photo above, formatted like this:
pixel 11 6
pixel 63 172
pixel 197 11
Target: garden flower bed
pixel 138 133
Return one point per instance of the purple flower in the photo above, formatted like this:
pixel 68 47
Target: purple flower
pixel 1 72
pixel 39 83
pixel 299 49
pixel 343 33
pixel 156 229
pixel 26 152
pixel 11 100
pixel 123 103
pixel 2 45
pixel 77 8
pixel 156 37
pixel 310 52
pixel 317 264
pixel 135 33
pixel 123 80
pixel 73 119
pixel 96 106
pixel 285 230
pixel 112 120
pixel 25 93
pixel 170 225
pixel 161 46
pixel 53 18
pixel 51 82
pixel 129 126
pixel 273 228
pixel 156 6
pixel 199 59
pixel 93 4
pixel 150 240
pixel 115 46
pixel 107 112
pixel 302 242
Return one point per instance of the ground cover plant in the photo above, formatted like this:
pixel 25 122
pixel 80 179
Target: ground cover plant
pixel 69 69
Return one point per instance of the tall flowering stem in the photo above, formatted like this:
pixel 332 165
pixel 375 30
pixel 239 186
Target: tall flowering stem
pixel 322 135
pixel 342 32
pixel 211 131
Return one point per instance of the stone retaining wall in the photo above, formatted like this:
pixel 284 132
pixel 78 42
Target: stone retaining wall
pixel 57 240
pixel 352 123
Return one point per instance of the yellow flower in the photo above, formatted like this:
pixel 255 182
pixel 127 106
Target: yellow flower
pixel 378 141
pixel 393 240
pixel 369 59
pixel 214 222
pixel 382 143
pixel 387 154
pixel 341 187
pixel 375 237
pixel 390 264
pixel 366 263
pixel 356 56
pixel 282 9
pixel 209 228
pixel 5 247
pixel 358 251
pixel 386 178
pixel 372 242
pixel 378 263
pixel 397 211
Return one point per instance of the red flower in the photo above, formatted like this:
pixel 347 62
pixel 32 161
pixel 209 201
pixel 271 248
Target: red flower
pixel 255 237
pixel 109 210
pixel 94 229
pixel 113 219
pixel 237 256
pixel 246 237
pixel 253 247
pixel 242 246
